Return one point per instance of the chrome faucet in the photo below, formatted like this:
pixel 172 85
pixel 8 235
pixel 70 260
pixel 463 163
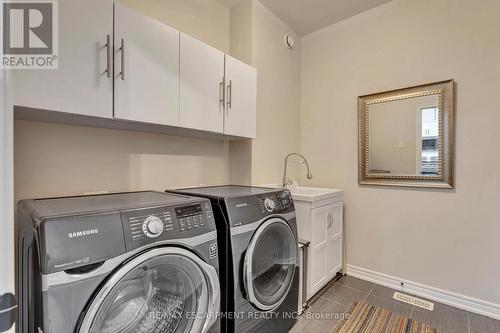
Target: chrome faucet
pixel 287 181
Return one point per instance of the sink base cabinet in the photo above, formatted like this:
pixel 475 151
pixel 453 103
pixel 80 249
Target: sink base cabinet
pixel 322 226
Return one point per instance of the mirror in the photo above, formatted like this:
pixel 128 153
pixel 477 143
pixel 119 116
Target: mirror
pixel 406 136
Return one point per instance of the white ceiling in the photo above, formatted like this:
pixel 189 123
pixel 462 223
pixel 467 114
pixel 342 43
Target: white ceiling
pixel 305 16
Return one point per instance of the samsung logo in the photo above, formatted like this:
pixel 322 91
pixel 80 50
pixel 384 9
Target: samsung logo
pixel 83 233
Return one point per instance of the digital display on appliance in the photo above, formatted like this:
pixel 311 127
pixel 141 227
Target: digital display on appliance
pixel 187 211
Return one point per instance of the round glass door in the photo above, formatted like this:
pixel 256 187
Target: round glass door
pixel 270 264
pixel 163 290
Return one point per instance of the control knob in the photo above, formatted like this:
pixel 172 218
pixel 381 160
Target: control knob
pixel 269 204
pixel 152 226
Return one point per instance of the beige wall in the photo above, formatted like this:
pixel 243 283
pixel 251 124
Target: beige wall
pixel 443 238
pixel 278 97
pixel 257 38
pixel 241 32
pixel 52 159
pixel 206 20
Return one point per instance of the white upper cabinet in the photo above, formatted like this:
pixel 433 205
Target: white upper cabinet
pixel 118 63
pixel 241 98
pixel 146 68
pixel 201 86
pixel 80 85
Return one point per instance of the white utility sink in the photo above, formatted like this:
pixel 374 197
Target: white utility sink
pixel 310 194
pixel 313 194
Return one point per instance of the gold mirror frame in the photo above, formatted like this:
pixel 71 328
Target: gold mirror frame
pixel 445 91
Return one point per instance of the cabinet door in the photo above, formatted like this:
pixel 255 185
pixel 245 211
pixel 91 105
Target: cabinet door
pixel 318 273
pixel 334 234
pixel 241 98
pixel 201 85
pixel 80 85
pixel 146 68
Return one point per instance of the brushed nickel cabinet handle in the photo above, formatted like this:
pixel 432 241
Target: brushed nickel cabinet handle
pixel 108 55
pixel 230 94
pixel 122 52
pixel 221 92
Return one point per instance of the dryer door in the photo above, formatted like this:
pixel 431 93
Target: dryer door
pixel 162 290
pixel 270 263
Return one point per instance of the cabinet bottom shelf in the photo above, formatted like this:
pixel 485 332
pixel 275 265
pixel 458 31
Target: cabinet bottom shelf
pixel 33 114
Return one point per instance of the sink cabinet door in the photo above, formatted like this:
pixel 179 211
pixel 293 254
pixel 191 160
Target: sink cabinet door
pixel 326 246
pixel 318 273
pixel 334 234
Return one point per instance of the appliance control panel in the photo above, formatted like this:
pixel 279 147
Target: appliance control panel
pixel 277 202
pixel 145 226
pixel 248 209
pixel 193 216
pixel 148 223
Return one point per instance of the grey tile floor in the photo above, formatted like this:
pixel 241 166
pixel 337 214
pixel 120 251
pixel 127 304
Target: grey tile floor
pixel 339 296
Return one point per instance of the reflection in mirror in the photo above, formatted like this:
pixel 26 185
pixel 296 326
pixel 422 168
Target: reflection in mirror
pixel 404 136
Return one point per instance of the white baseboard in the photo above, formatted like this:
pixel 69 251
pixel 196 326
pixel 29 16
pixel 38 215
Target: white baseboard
pixel 435 294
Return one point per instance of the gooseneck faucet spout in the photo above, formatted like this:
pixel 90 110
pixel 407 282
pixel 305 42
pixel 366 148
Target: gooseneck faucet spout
pixel 287 181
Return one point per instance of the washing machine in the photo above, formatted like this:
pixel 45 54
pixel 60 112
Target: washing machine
pixel 117 263
pixel 257 236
